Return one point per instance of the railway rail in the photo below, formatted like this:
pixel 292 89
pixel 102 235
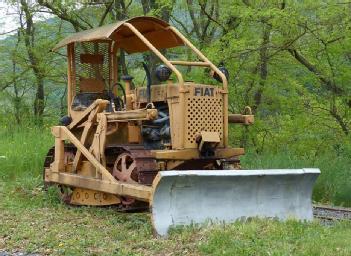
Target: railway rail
pixel 330 214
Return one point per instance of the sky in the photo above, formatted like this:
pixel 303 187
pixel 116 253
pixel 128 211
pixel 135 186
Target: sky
pixel 9 20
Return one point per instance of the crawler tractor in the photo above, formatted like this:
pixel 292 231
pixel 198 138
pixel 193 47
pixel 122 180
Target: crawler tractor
pixel 163 146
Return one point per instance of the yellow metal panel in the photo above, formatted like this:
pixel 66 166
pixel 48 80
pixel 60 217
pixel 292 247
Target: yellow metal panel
pixel 187 154
pixel 134 134
pixel 158 93
pixel 140 192
pixel 241 119
pixel 82 196
pixel 210 136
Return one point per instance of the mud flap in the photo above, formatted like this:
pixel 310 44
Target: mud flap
pixel 190 197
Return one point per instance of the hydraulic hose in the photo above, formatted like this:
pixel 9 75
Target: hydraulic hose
pixel 164 118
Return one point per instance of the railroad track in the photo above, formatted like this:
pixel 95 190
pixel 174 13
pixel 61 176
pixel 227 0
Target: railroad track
pixel 330 214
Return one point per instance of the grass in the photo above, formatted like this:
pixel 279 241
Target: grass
pixel 33 220
pixel 22 152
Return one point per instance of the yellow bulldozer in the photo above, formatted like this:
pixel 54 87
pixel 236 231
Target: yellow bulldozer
pixel 163 146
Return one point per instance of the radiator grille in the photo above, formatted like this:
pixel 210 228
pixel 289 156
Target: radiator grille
pixel 203 114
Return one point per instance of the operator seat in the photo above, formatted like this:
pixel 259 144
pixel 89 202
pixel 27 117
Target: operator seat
pixel 91 89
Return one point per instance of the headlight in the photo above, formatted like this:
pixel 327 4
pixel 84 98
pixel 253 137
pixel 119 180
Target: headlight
pixel 163 73
pixel 224 71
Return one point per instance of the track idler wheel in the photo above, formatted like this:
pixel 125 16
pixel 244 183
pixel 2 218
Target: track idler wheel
pixel 65 193
pixel 125 169
pixel 231 164
pixel 50 157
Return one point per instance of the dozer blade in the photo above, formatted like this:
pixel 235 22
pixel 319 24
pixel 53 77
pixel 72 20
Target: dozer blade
pixel 187 197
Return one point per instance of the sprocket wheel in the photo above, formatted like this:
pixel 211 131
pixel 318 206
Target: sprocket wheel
pixel 125 169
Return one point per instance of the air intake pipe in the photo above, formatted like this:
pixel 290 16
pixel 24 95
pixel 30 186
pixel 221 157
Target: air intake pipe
pixel 148 85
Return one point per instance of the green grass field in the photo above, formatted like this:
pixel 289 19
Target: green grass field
pixel 33 220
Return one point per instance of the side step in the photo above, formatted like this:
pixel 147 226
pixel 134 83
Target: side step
pixel 186 197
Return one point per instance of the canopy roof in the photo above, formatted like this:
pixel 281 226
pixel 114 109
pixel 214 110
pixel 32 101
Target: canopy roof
pixel 155 30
